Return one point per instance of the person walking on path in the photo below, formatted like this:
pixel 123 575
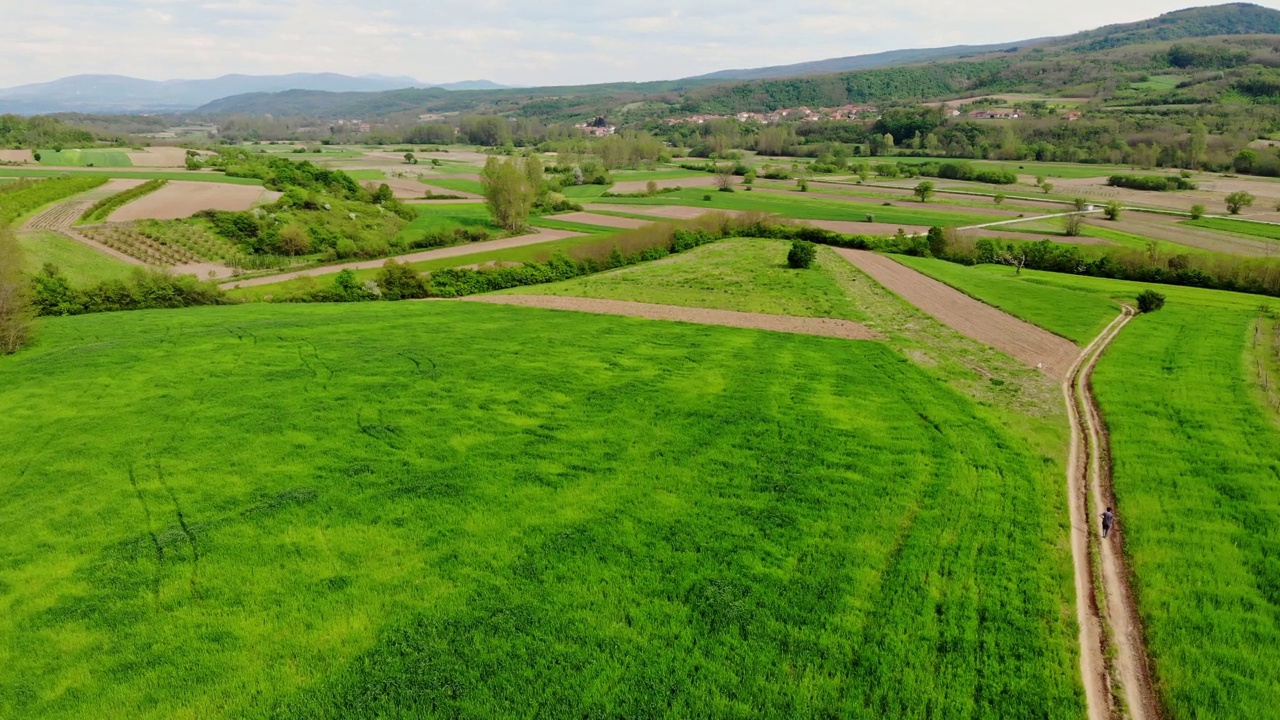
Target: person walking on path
pixel 1108 522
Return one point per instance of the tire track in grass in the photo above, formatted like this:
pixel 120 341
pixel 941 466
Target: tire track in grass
pixel 151 532
pixel 186 530
pixel 1119 635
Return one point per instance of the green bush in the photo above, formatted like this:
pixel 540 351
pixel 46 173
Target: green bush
pixel 802 255
pixel 1150 301
pixel 53 294
pixel 1151 183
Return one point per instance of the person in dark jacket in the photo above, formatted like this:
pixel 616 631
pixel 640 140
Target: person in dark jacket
pixel 1108 522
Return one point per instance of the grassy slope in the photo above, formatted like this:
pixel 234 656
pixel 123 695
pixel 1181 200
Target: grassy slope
pixel 78 262
pixel 1197 460
pixel 745 275
pixel 378 510
pixel 1077 316
pixel 800 207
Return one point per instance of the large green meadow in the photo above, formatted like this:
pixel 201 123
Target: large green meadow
pixel 1197 475
pixel 456 510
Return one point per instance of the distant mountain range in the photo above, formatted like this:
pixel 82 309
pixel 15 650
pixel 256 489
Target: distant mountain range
pixel 120 94
pixel 864 62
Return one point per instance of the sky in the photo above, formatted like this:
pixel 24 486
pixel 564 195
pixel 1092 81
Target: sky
pixel 517 42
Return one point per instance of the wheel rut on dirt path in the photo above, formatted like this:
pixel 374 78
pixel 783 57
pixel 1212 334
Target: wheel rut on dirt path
pixel 823 327
pixel 1114 656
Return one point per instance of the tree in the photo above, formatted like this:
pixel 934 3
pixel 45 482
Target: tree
pixel 724 177
pixel 937 241
pixel 1080 204
pixel 1197 212
pixel 294 240
pixel 1047 188
pixel 1112 210
pixel 1198 151
pixel 924 191
pixel 35 156
pixel 409 159
pixel 1238 201
pixel 400 282
pixel 1072 224
pixel 15 301
pixel 508 193
pixel 1150 301
pixel 534 175
pixel 999 198
pixel 802 254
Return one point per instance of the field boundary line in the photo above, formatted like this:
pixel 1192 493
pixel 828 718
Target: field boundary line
pixel 821 327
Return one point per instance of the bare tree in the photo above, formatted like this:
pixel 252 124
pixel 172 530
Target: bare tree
pixel 1072 224
pixel 724 177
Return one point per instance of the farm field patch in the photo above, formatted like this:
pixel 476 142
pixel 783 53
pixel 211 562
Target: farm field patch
pixel 80 263
pixel 435 509
pixel 183 199
pixel 201 176
pixel 85 158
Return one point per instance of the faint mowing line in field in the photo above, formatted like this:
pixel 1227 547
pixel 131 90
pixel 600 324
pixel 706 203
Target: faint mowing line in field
pixel 182 522
pixel 151 531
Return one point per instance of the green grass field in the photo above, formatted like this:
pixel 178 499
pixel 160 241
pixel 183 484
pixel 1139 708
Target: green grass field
pixel 1196 461
pixel 1264 231
pixel 444 509
pixel 1049 170
pixel 747 275
pixel 80 263
pixel 85 158
pixel 217 177
pixel 808 208
pixel 1159 82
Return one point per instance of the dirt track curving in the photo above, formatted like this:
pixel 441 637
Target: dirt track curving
pixel 824 327
pixel 541 236
pixel 1113 647
pixel 1022 340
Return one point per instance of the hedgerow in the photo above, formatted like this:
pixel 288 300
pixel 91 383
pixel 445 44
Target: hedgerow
pixel 102 209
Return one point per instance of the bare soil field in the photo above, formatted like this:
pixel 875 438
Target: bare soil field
pixel 825 327
pixel 849 227
pixel 638 186
pixel 182 199
pixel 16 156
pixel 411 189
pixel 610 221
pixel 1033 346
pixel 541 236
pixel 852 198
pixel 66 213
pixel 1211 193
pixel 1024 237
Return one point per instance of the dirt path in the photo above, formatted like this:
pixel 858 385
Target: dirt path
pixel 541 236
pixel 609 221
pixel 1034 346
pixel 824 327
pixel 1113 655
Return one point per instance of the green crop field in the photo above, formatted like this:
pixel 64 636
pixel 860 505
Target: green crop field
pixel 1266 231
pixel 80 263
pixel 455 184
pixel 85 158
pixel 1197 457
pixel 1078 316
pixel 808 208
pixel 445 509
pixel 747 275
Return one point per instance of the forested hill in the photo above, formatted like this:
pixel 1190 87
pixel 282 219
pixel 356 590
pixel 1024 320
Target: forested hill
pixel 1212 53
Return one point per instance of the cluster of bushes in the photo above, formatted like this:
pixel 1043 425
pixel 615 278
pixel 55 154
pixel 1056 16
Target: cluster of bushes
pixel 102 209
pixel 739 169
pixel 21 197
pixel 450 237
pixel 53 294
pixel 306 223
pixel 278 173
pixel 967 172
pixel 590 172
pixel 1151 183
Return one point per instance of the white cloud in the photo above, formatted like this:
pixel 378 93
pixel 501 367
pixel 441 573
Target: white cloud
pixel 549 42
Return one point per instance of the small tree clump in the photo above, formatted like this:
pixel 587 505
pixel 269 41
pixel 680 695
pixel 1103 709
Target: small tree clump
pixel 999 198
pixel 1197 212
pixel 1112 210
pixel 1150 301
pixel 1047 187
pixel 803 185
pixel 802 254
pixel 1072 224
pixel 1238 201
pixel 924 191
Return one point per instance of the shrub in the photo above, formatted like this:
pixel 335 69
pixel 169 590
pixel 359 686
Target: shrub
pixel 706 198
pixel 53 294
pixel 1151 183
pixel 1112 210
pixel 802 254
pixel 400 282
pixel 1150 301
pixel 1197 212
pixel 871 218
